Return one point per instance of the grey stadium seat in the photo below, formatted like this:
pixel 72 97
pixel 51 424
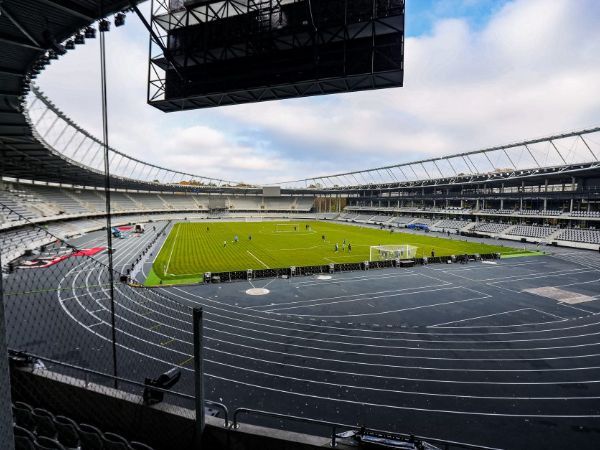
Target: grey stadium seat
pixel 23 415
pixel 139 446
pixel 44 423
pixel 90 437
pixel 44 443
pixel 67 431
pixel 113 441
pixel 24 439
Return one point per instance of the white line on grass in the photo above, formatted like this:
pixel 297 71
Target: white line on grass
pixel 172 248
pixel 250 253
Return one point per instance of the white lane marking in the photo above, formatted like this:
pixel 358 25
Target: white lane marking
pixel 241 311
pixel 441 325
pixel 352 297
pixel 362 388
pixel 478 317
pixel 251 254
pixel 378 313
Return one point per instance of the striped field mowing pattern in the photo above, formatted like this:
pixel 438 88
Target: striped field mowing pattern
pixel 194 248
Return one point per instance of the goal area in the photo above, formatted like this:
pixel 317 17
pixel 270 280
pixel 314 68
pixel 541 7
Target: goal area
pixel 391 252
pixel 287 227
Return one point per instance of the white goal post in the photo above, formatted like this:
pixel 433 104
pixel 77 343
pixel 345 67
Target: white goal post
pixel 287 227
pixel 391 252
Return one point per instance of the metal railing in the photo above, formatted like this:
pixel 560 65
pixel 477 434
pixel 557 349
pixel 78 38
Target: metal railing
pixel 334 426
pixel 111 379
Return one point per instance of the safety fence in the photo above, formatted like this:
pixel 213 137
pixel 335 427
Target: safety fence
pixel 66 312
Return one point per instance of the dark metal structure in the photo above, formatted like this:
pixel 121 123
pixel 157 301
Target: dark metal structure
pixel 215 53
pixel 31 36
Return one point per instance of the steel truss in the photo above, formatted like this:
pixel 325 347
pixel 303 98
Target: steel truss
pixel 269 29
pixel 62 136
pixel 561 153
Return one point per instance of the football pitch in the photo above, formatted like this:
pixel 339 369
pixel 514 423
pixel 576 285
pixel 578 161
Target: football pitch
pixel 191 249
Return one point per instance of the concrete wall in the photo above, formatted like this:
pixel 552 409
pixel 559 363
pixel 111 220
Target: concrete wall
pixel 163 426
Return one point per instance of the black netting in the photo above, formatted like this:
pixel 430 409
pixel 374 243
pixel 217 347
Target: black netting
pixel 68 329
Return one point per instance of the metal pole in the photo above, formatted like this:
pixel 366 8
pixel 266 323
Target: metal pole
pixel 6 418
pixel 107 195
pixel 198 376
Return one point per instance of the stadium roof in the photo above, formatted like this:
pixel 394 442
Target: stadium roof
pixel 30 30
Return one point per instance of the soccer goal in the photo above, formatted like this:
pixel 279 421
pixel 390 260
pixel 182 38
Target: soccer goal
pixel 389 252
pixel 287 227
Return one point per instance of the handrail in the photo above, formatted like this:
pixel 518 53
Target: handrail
pixel 212 403
pixel 334 426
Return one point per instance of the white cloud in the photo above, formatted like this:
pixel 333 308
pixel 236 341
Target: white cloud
pixel 532 70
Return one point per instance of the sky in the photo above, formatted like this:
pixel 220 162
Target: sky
pixel 478 73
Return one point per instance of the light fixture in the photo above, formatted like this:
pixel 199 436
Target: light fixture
pixel 79 39
pixel 70 45
pixel 104 26
pixel 119 20
pixel 90 33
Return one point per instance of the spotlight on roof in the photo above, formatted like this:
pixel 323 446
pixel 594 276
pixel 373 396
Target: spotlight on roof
pixel 165 381
pixel 70 45
pixel 104 26
pixel 52 55
pixel 119 20
pixel 79 39
pixel 90 33
pixel 51 43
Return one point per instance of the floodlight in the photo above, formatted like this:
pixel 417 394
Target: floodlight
pixel 70 45
pixel 79 39
pixel 90 33
pixel 104 25
pixel 119 20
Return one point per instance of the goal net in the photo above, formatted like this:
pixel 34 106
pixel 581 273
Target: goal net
pixel 287 227
pixel 389 252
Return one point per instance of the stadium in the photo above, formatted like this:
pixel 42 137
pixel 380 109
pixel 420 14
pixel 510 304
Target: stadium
pixel 445 302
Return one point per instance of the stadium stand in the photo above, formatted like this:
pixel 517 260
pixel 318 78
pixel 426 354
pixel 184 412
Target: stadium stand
pixel 490 227
pixel 402 220
pixel 497 211
pixel 585 214
pixel 532 231
pixel 576 235
pixel 452 224
pixel 380 219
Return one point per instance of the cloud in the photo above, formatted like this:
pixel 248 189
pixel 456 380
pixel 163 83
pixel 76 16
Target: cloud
pixel 531 70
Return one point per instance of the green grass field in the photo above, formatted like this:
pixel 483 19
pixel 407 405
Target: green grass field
pixel 194 248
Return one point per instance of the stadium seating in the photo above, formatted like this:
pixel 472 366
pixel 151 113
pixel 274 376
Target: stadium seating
pixel 452 224
pixel 401 220
pixel 577 235
pixel 36 428
pixel 498 211
pixel 585 214
pixel 532 231
pixel 380 219
pixel 490 227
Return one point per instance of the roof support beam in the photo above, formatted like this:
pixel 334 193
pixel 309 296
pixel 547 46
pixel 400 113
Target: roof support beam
pixel 11 72
pixel 19 43
pixel 69 8
pixel 20 27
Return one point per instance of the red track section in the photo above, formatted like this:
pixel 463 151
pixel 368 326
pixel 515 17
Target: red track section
pixel 38 263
